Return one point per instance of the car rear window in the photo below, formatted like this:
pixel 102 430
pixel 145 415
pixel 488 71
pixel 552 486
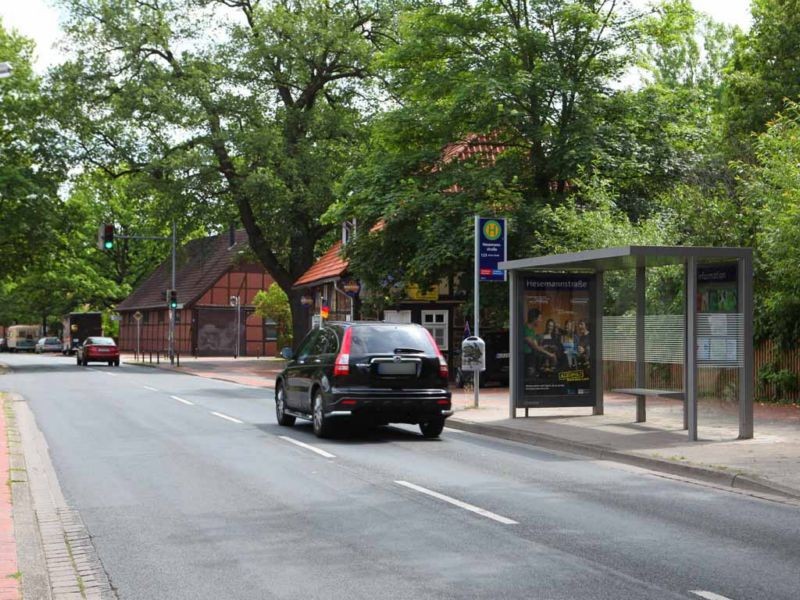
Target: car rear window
pixel 98 341
pixel 386 339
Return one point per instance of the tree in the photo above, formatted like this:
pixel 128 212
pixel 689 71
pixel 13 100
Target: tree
pixel 237 103
pixel 274 305
pixel 30 166
pixel 763 73
pixel 526 84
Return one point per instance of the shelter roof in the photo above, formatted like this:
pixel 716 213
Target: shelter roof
pixel 626 257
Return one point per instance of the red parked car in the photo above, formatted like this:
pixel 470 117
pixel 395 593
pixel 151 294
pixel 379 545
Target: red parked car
pixel 98 349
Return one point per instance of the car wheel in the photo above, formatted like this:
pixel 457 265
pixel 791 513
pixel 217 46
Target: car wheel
pixel 280 408
pixel 111 363
pixel 116 363
pixel 432 428
pixel 78 360
pixel 322 425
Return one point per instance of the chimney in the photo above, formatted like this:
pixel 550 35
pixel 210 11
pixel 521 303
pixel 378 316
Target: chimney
pixel 232 235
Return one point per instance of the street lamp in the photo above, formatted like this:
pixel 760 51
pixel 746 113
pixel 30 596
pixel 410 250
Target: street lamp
pixel 5 70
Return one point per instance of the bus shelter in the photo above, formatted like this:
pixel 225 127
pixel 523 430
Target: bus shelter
pixel 560 335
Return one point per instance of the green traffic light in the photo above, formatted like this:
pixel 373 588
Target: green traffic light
pixel 108 245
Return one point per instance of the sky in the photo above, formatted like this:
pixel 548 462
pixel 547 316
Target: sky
pixel 38 19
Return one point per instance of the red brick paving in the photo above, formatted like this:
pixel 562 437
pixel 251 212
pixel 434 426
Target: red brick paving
pixel 9 585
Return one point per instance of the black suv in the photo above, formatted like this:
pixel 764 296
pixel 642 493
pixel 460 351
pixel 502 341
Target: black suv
pixel 378 373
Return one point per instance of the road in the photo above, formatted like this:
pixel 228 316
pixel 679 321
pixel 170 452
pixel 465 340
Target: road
pixel 191 490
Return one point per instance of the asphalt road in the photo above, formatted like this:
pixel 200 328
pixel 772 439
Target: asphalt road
pixel 191 490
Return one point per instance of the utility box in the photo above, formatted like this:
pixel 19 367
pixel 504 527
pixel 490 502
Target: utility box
pixel 473 354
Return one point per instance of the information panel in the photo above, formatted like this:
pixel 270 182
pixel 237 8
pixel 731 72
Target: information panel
pixel 491 249
pixel 557 340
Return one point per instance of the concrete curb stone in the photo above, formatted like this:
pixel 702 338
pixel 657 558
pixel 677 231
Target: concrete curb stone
pixel 740 481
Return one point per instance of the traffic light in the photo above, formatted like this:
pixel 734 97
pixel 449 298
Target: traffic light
pixel 173 299
pixel 105 237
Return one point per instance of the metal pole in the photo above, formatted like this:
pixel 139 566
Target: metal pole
pixel 641 282
pixel 476 373
pixel 745 275
pixel 238 326
pixel 597 352
pixel 691 347
pixel 138 335
pixel 172 310
pixel 516 358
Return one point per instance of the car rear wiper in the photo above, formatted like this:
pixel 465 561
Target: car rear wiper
pixel 408 351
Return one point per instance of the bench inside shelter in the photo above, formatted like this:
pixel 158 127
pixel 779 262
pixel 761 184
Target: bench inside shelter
pixel 641 395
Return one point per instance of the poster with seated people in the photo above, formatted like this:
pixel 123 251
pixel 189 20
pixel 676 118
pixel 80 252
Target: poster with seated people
pixel 557 339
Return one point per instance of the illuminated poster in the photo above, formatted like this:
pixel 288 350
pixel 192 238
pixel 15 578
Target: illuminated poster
pixel 557 340
pixel 717 289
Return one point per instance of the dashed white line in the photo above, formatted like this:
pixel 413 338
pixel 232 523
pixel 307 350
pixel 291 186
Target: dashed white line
pixel 708 595
pixel 307 446
pixel 109 374
pixel 232 419
pixel 459 503
pixel 152 389
pixel 182 400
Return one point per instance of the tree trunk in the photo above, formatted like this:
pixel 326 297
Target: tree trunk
pixel 299 317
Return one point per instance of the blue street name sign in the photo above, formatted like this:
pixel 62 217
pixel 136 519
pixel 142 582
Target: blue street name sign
pixel 491 248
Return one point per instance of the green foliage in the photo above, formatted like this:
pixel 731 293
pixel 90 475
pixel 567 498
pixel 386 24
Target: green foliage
pixel 30 167
pixel 273 305
pixel 784 382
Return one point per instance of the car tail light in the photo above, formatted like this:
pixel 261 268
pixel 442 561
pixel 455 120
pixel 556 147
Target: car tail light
pixel 443 372
pixel 341 365
pixel 348 402
pixel 443 402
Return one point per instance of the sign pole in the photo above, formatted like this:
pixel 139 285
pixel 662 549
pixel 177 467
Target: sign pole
pixel 477 298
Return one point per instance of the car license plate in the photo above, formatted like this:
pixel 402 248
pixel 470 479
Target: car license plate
pixel 397 368
pixel 102 349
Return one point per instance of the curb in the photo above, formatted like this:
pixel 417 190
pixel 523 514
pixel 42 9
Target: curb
pixel 722 478
pixel 180 371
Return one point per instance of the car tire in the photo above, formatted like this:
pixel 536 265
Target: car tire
pixel 111 363
pixel 283 419
pixel 322 425
pixel 116 363
pixel 432 428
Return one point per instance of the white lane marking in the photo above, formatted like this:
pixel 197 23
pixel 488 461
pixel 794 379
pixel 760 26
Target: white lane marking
pixel 152 389
pixel 307 446
pixel 232 419
pixel 451 430
pixel 109 374
pixel 459 503
pixel 708 595
pixel 181 400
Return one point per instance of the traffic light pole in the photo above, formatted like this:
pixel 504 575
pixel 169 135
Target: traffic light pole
pixel 173 238
pixel 172 309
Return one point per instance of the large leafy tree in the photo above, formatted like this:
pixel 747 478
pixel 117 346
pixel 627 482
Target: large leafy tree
pixel 522 87
pixel 245 106
pixel 764 73
pixel 30 166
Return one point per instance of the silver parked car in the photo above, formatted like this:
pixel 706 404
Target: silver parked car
pixel 48 344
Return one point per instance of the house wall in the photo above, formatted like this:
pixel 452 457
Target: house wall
pixel 245 281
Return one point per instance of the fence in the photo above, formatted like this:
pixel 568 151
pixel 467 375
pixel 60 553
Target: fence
pixel 775 373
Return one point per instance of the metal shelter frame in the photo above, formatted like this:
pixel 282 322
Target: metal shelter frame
pixel 640 258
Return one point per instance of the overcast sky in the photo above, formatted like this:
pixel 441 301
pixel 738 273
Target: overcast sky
pixel 37 19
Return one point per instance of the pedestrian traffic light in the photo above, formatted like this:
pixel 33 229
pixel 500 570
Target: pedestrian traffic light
pixel 106 237
pixel 173 299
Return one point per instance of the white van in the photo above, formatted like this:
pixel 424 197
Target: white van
pixel 22 338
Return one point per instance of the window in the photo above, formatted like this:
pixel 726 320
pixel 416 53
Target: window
pixel 270 331
pixel 435 321
pixel 397 316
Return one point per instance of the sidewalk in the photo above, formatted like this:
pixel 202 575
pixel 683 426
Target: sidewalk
pixel 769 463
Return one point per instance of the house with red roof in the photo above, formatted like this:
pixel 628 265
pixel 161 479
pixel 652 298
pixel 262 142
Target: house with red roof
pixel 439 309
pixel 210 271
